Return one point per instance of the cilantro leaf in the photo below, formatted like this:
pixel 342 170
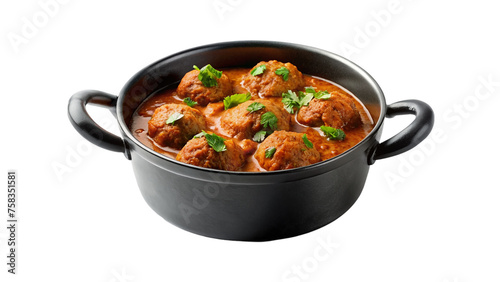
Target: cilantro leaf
pixel 310 89
pixel 199 135
pixel 208 75
pixel 318 95
pixel 258 70
pixel 291 101
pixel 213 140
pixel 235 100
pixel 259 136
pixel 308 143
pixel 216 142
pixel 255 106
pixel 189 102
pixel 283 72
pixel 173 118
pixel 269 153
pixel 333 133
pixel 322 95
pixel 269 120
pixel 305 98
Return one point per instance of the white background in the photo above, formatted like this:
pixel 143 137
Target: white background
pixel 431 214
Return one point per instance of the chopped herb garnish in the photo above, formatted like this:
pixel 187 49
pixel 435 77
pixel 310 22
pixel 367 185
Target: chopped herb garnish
pixel 305 98
pixel 308 143
pixel 333 133
pixel 259 136
pixel 208 75
pixel 216 142
pixel 269 120
pixel 235 100
pixel 189 102
pixel 255 106
pixel 173 118
pixel 270 152
pixel 258 70
pixel 283 72
pixel 213 140
pixel 291 100
pixel 318 95
pixel 199 135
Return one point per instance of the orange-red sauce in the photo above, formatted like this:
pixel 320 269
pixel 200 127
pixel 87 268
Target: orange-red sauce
pixel 213 111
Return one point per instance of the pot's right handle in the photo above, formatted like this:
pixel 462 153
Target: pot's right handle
pixel 409 137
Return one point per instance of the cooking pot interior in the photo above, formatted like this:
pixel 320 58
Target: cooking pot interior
pixel 311 61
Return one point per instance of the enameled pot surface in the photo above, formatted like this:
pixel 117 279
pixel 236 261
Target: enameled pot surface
pixel 251 206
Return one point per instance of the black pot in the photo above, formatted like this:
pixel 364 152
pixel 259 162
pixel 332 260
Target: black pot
pixel 250 206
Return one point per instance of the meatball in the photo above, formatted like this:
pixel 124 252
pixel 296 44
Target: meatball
pixel 240 123
pixel 269 84
pixel 291 151
pixel 177 134
pixel 339 111
pixel 190 86
pixel 198 152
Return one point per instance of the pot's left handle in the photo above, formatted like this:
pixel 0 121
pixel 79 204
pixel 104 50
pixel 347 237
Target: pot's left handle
pixel 87 127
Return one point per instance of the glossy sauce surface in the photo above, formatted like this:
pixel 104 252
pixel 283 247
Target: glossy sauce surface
pixel 213 111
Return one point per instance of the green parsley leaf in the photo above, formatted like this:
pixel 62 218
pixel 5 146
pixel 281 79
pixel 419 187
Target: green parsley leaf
pixel 235 100
pixel 189 102
pixel 269 120
pixel 258 70
pixel 269 153
pixel 199 135
pixel 208 75
pixel 213 140
pixel 305 98
pixel 216 142
pixel 255 106
pixel 318 95
pixel 308 143
pixel 259 136
pixel 173 118
pixel 322 95
pixel 283 72
pixel 333 133
pixel 291 101
pixel 310 89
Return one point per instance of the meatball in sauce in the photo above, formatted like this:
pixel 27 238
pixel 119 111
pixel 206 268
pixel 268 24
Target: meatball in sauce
pixel 276 78
pixel 199 153
pixel 339 111
pixel 190 86
pixel 175 132
pixel 241 123
pixel 285 150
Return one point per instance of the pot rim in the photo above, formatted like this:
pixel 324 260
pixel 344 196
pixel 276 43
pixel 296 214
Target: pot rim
pixel 338 160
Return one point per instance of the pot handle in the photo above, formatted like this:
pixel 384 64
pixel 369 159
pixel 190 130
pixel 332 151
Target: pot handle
pixel 409 137
pixel 87 127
